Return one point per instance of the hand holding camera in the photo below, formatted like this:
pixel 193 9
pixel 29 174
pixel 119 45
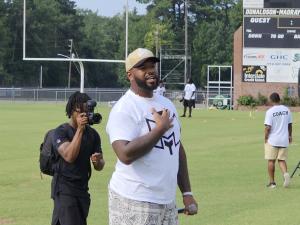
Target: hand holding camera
pixel 82 120
pixel 93 118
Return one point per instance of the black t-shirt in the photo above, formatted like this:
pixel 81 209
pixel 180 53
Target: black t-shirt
pixel 72 178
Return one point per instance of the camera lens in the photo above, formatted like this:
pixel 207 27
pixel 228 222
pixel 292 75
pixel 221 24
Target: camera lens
pixel 97 118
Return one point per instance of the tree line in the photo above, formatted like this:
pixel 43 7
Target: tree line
pixel 52 24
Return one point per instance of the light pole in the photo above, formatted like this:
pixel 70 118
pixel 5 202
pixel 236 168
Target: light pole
pixel 185 39
pixel 156 33
pixel 41 77
pixel 126 31
pixel 70 63
pixel 81 71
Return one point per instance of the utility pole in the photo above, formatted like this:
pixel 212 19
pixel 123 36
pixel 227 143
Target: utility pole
pixel 126 31
pixel 41 77
pixel 156 33
pixel 186 40
pixel 70 63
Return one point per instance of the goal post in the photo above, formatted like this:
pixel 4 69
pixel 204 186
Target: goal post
pixel 71 59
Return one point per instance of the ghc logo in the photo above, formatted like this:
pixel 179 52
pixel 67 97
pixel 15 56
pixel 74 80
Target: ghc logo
pixel 279 57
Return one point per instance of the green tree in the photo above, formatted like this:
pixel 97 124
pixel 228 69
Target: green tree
pixel 212 35
pixel 102 37
pixel 51 24
pixel 211 25
pixel 137 30
pixel 4 43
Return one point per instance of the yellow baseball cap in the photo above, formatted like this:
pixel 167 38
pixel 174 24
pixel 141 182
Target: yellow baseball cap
pixel 138 57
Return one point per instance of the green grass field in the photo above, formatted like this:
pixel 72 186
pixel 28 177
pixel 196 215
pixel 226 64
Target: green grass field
pixel 225 156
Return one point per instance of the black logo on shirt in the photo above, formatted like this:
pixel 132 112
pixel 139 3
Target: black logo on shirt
pixel 165 141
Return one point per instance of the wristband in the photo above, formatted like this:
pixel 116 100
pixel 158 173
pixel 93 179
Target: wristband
pixel 188 193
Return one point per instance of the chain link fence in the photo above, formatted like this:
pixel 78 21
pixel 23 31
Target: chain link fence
pixel 103 95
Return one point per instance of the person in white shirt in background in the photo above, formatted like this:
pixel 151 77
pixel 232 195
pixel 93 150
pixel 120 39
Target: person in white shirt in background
pixel 278 136
pixel 189 97
pixel 161 90
pixel 144 132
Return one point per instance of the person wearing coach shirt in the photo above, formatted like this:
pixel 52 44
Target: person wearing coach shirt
pixel 278 136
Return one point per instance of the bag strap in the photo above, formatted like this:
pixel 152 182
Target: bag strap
pixel 57 173
pixel 59 160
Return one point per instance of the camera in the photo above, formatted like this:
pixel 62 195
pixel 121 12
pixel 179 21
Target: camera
pixel 93 118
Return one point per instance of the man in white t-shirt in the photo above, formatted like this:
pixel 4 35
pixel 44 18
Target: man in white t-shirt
pixel 144 131
pixel 189 97
pixel 160 89
pixel 278 135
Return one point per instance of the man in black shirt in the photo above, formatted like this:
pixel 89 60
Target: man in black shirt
pixel 76 144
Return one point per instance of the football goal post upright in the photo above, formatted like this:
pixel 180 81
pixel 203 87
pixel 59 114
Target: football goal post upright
pixel 69 59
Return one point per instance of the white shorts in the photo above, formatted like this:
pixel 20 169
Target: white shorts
pixel 123 211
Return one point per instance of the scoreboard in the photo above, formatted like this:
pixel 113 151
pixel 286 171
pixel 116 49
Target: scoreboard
pixel 271 28
pixel 271 41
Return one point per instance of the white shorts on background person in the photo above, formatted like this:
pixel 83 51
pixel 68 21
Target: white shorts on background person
pixel 273 153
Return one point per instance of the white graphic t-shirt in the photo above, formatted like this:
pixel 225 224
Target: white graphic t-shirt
pixel 278 117
pixel 188 92
pixel 153 177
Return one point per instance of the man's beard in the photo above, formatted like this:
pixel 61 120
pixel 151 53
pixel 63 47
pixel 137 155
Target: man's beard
pixel 143 84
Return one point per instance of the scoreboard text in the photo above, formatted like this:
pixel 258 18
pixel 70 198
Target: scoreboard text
pixel 272 28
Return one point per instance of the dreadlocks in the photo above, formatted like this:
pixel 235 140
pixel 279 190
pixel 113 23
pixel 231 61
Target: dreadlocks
pixel 76 101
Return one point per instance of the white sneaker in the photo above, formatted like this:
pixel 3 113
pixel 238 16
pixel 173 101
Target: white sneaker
pixel 271 185
pixel 287 180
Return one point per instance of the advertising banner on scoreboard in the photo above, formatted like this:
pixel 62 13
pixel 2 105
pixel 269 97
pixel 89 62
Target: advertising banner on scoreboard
pixel 282 65
pixel 254 74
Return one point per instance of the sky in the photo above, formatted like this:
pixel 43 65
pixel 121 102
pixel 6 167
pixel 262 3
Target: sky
pixel 110 7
